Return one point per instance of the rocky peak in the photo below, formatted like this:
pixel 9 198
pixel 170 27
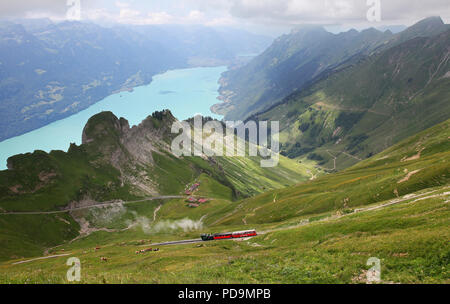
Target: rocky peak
pixel 114 141
pixel 159 124
pixel 425 28
pixel 308 28
pixel 104 126
pixel 433 20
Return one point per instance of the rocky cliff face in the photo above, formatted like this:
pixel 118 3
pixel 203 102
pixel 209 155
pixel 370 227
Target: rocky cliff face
pixel 114 141
pixel 110 140
pixel 152 135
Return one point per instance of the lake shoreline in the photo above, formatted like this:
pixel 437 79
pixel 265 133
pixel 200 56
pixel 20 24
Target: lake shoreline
pixel 192 91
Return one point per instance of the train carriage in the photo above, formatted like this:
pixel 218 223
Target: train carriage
pixel 229 235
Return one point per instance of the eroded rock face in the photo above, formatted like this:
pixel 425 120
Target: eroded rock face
pixel 9 165
pixel 149 136
pixel 111 140
pixel 114 138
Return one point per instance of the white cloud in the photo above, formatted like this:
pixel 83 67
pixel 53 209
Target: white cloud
pixel 129 14
pixel 224 21
pixel 196 15
pixel 98 14
pixel 224 12
pixel 55 9
pixel 334 11
pixel 160 18
pixel 122 4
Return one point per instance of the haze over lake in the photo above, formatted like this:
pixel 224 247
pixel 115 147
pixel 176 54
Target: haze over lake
pixel 185 92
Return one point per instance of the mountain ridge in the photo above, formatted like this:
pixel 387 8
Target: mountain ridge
pixel 258 86
pixel 356 107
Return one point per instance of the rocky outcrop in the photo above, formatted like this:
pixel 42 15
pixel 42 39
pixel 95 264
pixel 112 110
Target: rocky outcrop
pixel 152 135
pixel 110 140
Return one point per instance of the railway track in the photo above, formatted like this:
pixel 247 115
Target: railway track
pixel 104 204
pixel 185 242
pixel 177 243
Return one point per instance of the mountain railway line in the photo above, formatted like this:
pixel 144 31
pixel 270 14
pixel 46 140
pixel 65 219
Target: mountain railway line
pixel 105 204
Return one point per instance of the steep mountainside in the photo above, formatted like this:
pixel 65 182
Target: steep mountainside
pixel 365 108
pixel 415 164
pixel 51 71
pixel 296 60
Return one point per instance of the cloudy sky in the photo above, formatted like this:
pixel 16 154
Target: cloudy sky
pixel 262 14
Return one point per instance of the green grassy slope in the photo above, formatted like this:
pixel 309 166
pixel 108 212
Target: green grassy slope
pixel 418 163
pixel 43 182
pixel 250 179
pixel 24 235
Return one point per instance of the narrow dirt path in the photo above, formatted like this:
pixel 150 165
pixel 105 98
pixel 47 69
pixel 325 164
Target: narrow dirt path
pixel 351 109
pixel 155 213
pixel 105 204
pixel 313 176
pixel 348 154
pixel 41 258
pixel 334 159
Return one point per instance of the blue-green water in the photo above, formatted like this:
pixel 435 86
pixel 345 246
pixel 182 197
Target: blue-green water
pixel 185 92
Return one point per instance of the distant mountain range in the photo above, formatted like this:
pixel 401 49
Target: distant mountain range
pixel 297 60
pixel 369 106
pixel 50 71
pixel 341 100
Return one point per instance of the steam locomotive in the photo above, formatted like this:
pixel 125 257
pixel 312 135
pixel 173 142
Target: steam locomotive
pixel 229 235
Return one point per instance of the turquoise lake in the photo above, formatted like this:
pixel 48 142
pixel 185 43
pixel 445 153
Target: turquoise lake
pixel 185 92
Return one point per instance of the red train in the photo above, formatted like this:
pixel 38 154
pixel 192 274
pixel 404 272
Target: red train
pixel 229 235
